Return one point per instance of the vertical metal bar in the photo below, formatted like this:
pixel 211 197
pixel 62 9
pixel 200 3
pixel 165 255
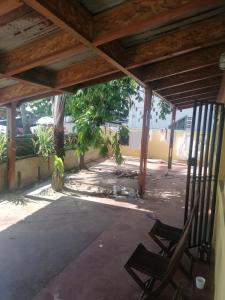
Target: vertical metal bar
pixel 211 158
pixel 207 146
pixel 194 177
pixel 202 146
pixel 216 171
pixel 145 139
pixel 170 155
pixel 189 162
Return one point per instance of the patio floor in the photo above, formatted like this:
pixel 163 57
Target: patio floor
pixel 73 245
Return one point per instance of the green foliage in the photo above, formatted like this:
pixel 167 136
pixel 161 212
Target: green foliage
pixel 3 147
pixel 123 132
pixel 43 142
pixel 41 108
pixel 58 166
pixel 92 107
pixel 164 110
pixel 116 150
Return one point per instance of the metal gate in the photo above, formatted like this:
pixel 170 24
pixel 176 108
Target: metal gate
pixel 202 175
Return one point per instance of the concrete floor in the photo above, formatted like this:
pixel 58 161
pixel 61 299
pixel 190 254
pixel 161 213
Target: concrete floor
pixel 73 245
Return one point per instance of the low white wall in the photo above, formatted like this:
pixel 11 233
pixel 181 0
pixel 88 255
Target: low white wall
pixel 32 169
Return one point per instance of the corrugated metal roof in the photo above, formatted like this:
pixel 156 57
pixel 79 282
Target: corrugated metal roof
pixel 98 6
pixel 22 26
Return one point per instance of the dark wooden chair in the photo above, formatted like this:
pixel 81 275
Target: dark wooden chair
pixel 178 294
pixel 167 238
pixel 159 269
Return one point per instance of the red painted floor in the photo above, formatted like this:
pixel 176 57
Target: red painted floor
pixel 73 246
pixel 98 272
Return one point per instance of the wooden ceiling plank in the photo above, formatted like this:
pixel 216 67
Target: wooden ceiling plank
pixel 187 77
pixel 183 63
pixel 40 52
pixel 60 45
pixel 185 40
pixel 86 70
pixel 135 16
pixel 203 92
pixel 69 18
pixel 195 98
pixel 19 91
pixel 194 86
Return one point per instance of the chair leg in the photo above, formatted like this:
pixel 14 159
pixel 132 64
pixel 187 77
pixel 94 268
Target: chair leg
pixel 136 278
pixel 173 284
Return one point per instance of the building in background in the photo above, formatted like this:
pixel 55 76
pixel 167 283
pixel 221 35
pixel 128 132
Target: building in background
pixel 136 115
pixel 159 132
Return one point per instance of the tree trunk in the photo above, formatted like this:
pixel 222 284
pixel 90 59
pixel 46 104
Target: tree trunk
pixel 25 121
pixel 82 163
pixel 58 116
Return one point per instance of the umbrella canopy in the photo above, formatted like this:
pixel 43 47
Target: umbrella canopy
pixel 45 121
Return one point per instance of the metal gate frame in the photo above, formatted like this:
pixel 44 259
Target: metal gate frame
pixel 202 174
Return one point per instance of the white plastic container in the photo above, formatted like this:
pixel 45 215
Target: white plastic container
pixel 200 282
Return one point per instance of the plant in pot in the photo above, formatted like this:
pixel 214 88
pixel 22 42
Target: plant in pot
pixel 58 174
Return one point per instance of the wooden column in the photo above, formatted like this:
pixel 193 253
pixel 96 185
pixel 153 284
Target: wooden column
pixel 11 154
pixel 145 139
pixel 172 129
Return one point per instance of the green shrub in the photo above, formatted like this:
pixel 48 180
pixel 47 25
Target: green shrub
pixel 44 142
pixel 3 147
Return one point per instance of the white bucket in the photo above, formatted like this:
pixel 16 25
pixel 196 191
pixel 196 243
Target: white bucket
pixel 200 282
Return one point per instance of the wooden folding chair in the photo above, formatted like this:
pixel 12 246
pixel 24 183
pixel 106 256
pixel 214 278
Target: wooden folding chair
pixel 159 269
pixel 167 237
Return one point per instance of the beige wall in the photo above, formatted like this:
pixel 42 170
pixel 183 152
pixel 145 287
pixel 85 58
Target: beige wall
pixel 30 170
pixel 158 146
pixel 219 231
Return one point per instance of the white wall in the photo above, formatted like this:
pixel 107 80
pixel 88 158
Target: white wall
pixel 136 115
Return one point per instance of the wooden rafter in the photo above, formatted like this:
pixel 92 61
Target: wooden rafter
pixel 184 63
pixel 190 87
pixel 141 17
pixel 75 20
pixel 185 40
pixel 187 77
pixel 8 5
pixel 137 15
pixel 189 95
pixel 195 98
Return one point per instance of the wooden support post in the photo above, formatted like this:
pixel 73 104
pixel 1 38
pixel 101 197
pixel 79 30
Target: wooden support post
pixel 145 139
pixel 11 153
pixel 172 129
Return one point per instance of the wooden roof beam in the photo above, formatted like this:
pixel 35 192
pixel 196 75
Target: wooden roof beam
pixel 74 19
pixel 7 6
pixel 187 77
pixel 189 87
pixel 194 98
pixel 203 93
pixel 191 104
pixel 60 45
pixel 184 63
pixel 136 16
pixel 195 36
pixel 20 91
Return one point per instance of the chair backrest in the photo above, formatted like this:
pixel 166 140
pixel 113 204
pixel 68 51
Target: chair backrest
pixel 177 254
pixel 181 245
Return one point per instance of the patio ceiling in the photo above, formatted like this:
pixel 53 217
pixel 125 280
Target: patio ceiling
pixel 53 46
